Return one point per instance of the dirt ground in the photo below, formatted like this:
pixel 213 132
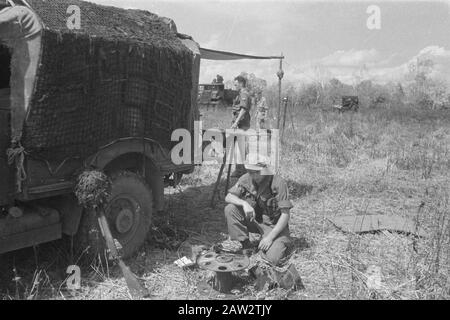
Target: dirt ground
pixel 335 165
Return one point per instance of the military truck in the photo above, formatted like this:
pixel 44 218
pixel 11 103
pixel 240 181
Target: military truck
pixel 349 103
pixel 107 96
pixel 215 95
pixel 210 95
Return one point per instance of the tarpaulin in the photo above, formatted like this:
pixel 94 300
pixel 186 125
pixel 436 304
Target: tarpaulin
pixel 194 47
pixel 124 73
pixel 208 54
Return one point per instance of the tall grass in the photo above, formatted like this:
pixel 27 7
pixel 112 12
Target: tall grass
pixel 376 162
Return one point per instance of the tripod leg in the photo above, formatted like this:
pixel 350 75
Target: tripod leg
pixel 216 186
pixel 228 179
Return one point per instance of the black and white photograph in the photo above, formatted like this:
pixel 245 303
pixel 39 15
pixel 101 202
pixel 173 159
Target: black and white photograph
pixel 224 155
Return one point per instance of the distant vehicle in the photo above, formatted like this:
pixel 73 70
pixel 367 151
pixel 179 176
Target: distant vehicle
pixel 229 96
pixel 215 95
pixel 210 95
pixel 349 103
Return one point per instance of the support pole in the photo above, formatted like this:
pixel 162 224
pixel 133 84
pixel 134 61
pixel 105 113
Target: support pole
pixel 291 115
pixel 285 103
pixel 280 75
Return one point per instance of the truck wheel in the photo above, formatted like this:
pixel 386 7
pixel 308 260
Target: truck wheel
pixel 129 213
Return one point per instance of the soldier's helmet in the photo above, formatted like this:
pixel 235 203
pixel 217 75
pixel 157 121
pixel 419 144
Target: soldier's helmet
pixel 262 165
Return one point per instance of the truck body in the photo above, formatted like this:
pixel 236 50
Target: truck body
pixel 105 96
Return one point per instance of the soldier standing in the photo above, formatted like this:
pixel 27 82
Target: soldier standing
pixel 241 105
pixel 261 111
pixel 241 114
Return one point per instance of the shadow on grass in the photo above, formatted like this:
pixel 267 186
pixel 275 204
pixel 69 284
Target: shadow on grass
pixel 300 243
pixel 298 190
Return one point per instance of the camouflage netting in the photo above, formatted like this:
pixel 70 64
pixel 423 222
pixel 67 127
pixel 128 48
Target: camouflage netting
pixel 124 73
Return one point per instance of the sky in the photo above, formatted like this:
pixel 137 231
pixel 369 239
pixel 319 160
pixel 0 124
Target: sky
pixel 319 39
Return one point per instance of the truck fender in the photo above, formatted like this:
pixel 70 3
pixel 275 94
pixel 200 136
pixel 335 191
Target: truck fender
pixel 119 152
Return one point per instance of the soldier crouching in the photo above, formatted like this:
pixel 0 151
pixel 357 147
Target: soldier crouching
pixel 259 203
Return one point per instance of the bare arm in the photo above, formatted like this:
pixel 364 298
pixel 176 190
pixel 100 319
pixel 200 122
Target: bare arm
pixel 283 221
pixel 281 225
pixel 248 209
pixel 238 119
pixel 232 199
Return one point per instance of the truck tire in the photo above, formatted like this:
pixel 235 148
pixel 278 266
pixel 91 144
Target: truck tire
pixel 129 214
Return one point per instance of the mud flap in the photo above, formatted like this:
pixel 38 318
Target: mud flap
pixel 70 211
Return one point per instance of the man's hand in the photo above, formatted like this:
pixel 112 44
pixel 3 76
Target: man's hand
pixel 249 211
pixel 234 126
pixel 265 244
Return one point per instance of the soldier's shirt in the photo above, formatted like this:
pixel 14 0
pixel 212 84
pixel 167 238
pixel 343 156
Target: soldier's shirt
pixel 242 102
pixel 268 198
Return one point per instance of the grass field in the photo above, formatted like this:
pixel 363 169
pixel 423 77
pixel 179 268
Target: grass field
pixel 392 162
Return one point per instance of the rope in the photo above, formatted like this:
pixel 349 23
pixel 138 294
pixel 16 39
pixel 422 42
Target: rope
pixel 16 156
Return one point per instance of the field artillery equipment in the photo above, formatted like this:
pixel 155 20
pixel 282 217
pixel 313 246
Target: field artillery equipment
pixel 223 264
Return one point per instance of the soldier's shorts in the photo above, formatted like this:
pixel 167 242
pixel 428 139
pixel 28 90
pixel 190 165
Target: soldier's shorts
pixel 239 227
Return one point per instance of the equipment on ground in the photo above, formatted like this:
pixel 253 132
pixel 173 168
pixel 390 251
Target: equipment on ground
pixel 223 264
